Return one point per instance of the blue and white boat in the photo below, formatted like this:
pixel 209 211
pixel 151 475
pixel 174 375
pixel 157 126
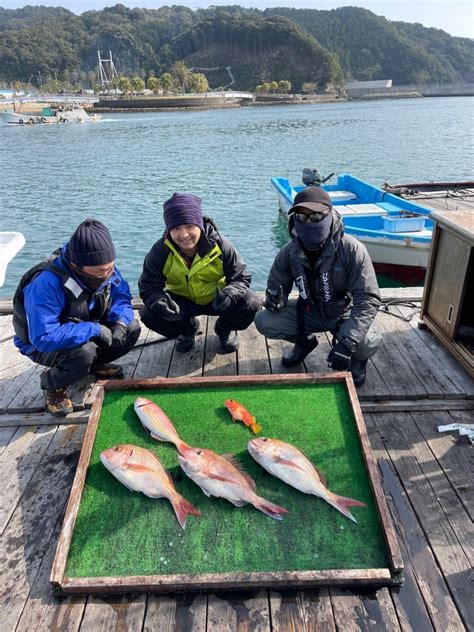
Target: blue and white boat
pixel 396 232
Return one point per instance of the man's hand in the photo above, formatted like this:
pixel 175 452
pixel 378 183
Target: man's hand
pixel 104 338
pixel 274 299
pixel 119 334
pixel 221 302
pixel 339 358
pixel 166 307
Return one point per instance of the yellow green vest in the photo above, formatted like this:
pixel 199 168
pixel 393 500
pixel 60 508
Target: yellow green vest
pixel 198 283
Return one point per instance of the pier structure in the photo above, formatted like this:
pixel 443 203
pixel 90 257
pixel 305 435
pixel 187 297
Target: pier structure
pixel 414 385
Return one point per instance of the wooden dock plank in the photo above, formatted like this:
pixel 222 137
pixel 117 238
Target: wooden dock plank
pixel 402 439
pixel 295 611
pixel 15 481
pixel 445 366
pixel 115 612
pixel 422 602
pixel 30 529
pixel 453 455
pixel 353 612
pixel 402 381
pixel 176 613
pixel 227 612
pixel 215 362
pixel 6 434
pixel 191 363
pixel 419 358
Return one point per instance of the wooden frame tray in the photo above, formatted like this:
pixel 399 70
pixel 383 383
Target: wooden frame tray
pixel 179 582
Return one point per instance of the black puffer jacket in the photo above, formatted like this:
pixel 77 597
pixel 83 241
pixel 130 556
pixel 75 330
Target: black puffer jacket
pixel 236 278
pixel 342 278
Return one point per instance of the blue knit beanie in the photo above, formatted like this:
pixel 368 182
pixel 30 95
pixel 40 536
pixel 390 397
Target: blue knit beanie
pixel 183 208
pixel 91 244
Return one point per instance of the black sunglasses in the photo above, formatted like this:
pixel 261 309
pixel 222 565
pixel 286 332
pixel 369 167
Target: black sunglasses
pixel 315 216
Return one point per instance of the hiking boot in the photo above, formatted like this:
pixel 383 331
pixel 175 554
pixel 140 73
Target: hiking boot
pixel 58 403
pixel 300 351
pixel 358 369
pixel 185 342
pixel 107 371
pixel 228 339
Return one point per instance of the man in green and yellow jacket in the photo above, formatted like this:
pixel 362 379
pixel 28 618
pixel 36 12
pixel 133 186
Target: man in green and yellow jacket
pixel 191 271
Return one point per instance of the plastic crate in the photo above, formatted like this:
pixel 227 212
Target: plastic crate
pixel 403 224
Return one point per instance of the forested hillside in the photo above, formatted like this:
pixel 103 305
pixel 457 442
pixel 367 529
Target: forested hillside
pixel 300 45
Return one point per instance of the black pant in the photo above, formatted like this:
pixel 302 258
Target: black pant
pixel 238 316
pixel 71 365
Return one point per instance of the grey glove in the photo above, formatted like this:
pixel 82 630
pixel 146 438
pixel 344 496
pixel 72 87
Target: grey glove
pixel 274 299
pixel 166 307
pixel 221 302
pixel 339 358
pixel 103 338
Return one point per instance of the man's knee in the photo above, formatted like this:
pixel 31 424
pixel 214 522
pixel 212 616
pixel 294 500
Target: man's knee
pixel 133 333
pixel 84 355
pixel 368 346
pixel 263 322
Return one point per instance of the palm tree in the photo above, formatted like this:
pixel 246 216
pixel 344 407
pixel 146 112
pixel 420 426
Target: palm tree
pixel 199 83
pixel 138 85
pixel 153 84
pixel 181 74
pixel 166 81
pixel 124 86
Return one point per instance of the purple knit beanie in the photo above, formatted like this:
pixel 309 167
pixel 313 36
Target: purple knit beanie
pixel 183 208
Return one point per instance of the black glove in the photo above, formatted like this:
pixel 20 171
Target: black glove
pixel 119 334
pixel 221 302
pixel 166 307
pixel 274 299
pixel 339 358
pixel 103 338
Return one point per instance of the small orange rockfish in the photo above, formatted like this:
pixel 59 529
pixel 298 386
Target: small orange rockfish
pixel 141 471
pixel 223 476
pixel 158 423
pixel 240 413
pixel 290 465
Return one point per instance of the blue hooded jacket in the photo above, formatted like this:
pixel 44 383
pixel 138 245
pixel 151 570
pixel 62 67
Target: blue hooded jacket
pixel 45 302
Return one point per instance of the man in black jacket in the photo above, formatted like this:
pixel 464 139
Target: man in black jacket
pixel 338 290
pixel 194 270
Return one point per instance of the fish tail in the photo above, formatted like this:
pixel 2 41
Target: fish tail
pixel 256 428
pixel 269 508
pixel 341 503
pixel 181 446
pixel 182 508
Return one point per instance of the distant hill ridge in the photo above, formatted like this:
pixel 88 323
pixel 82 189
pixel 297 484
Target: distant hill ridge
pixel 300 45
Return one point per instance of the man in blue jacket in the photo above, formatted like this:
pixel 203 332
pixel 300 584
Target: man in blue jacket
pixel 73 314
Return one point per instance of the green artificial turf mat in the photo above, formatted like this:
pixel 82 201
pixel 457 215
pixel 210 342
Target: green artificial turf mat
pixel 119 532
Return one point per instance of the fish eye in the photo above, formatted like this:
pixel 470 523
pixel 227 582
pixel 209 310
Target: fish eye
pixel 199 452
pixel 116 449
pixel 265 439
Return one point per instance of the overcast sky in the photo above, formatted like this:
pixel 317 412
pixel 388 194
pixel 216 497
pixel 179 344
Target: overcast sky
pixel 453 16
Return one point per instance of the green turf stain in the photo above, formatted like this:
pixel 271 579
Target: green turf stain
pixel 119 532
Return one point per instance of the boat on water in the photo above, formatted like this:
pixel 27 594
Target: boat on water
pixel 47 114
pixel 464 188
pixel 396 232
pixel 10 244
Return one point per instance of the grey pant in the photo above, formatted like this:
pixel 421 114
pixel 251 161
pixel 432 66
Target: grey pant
pixel 283 325
pixel 71 365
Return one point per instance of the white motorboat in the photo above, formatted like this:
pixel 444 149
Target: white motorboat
pixel 10 244
pixel 51 113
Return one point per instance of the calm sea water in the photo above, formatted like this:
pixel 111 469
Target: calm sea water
pixel 121 169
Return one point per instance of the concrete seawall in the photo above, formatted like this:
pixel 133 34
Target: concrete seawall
pixel 424 90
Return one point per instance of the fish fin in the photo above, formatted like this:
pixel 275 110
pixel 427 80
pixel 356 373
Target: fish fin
pixel 154 436
pixel 256 428
pixel 341 503
pixel 269 508
pixel 322 478
pixel 238 503
pixel 182 509
pixel 139 469
pixel 282 461
pixel 233 460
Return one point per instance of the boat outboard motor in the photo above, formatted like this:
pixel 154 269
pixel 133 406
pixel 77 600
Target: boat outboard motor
pixel 311 177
